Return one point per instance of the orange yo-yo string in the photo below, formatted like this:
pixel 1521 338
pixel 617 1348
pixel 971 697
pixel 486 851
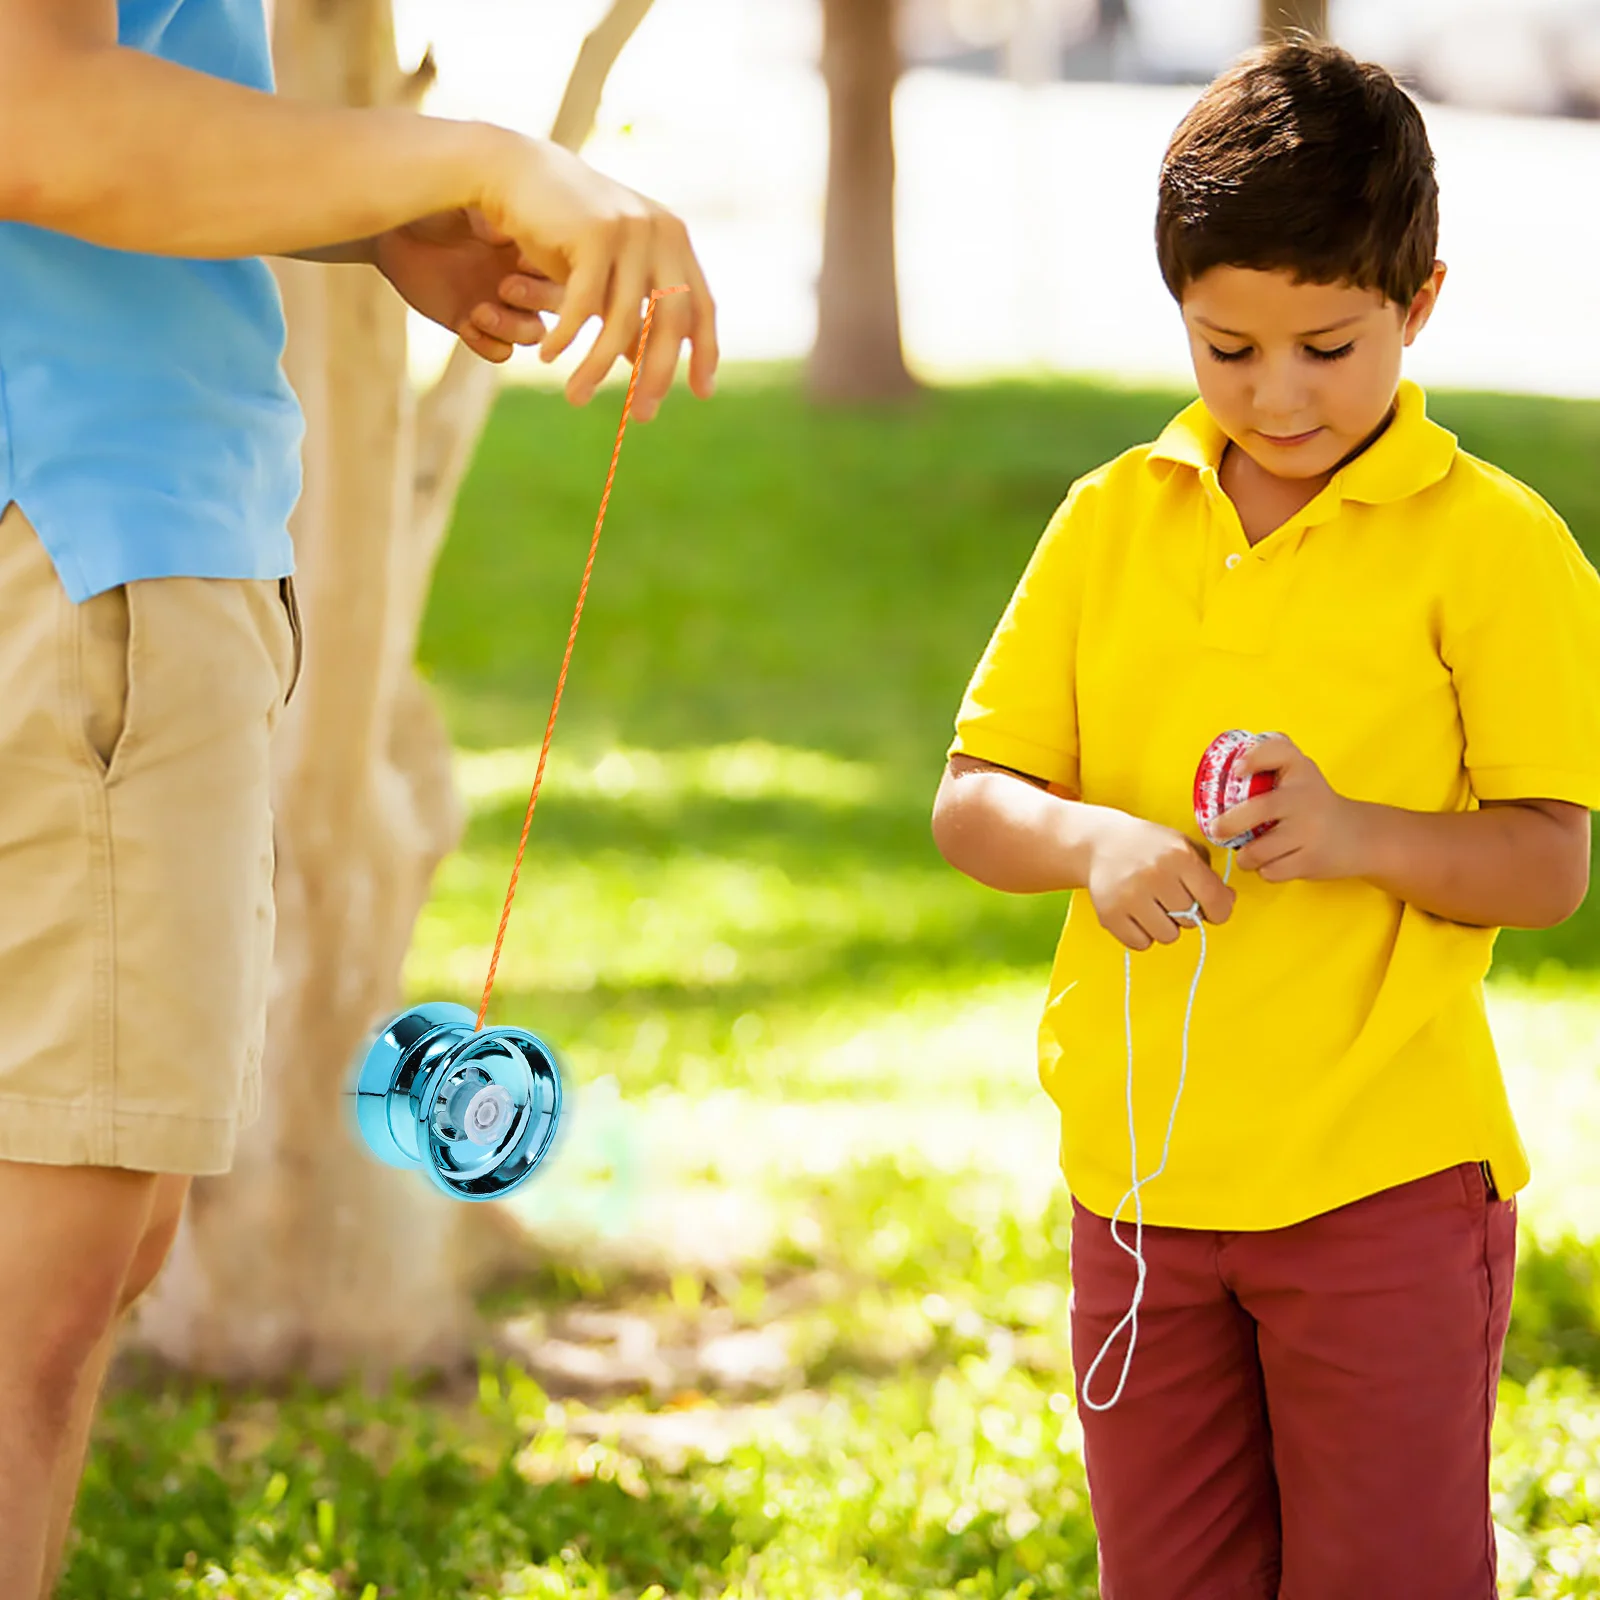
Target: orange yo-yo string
pixel 572 639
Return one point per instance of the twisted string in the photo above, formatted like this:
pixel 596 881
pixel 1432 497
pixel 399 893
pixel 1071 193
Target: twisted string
pixel 572 639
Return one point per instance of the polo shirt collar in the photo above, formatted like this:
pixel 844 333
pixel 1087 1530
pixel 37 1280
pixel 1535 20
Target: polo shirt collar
pixel 1411 454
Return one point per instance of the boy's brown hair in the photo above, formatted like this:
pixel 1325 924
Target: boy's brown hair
pixel 1302 159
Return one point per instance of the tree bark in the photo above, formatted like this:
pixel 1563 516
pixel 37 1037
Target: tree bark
pixel 1283 18
pixel 310 1258
pixel 858 355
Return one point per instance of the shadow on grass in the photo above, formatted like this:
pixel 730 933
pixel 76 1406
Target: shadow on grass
pixel 397 1492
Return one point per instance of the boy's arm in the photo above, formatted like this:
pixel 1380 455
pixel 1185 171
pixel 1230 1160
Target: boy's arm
pixel 1511 864
pixel 1007 830
pixel 122 149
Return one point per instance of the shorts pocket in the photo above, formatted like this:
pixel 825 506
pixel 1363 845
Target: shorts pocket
pixel 105 630
pixel 291 608
pixel 1477 1184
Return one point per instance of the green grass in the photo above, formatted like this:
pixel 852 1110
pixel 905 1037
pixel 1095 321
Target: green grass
pixel 788 1023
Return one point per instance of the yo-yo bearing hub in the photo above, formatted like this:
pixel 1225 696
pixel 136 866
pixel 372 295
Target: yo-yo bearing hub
pixel 488 1113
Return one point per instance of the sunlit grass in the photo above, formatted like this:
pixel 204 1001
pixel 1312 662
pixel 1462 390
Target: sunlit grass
pixel 801 1053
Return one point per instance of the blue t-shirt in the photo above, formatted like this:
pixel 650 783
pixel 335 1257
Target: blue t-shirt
pixel 146 427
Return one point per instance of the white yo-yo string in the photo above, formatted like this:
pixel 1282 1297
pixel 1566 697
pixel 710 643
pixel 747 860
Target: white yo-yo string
pixel 1135 1192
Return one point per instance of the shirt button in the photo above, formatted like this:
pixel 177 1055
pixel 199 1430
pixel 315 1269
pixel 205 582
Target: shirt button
pixel 1233 561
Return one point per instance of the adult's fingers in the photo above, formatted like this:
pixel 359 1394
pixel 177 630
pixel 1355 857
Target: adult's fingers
pixel 668 329
pixel 588 289
pixel 483 344
pixel 622 316
pixel 510 327
pixel 529 292
pixel 704 352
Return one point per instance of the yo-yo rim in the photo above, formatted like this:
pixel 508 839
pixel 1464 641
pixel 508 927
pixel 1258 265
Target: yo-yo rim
pixel 374 1072
pixel 1212 770
pixel 529 1148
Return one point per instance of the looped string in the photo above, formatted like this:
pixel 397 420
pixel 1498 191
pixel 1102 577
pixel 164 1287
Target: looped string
pixel 1135 1193
pixel 572 639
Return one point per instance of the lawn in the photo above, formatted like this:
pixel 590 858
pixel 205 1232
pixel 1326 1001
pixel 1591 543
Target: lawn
pixel 798 1327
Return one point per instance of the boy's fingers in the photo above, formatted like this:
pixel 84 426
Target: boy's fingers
pixel 1280 868
pixel 1270 847
pixel 1155 924
pixel 1274 753
pixel 1126 931
pixel 1253 813
pixel 1215 897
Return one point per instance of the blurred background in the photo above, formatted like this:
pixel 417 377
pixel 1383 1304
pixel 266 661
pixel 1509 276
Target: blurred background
pixel 787 1315
pixel 1028 134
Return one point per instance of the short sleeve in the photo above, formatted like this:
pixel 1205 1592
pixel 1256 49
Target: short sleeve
pixel 1020 709
pixel 1520 632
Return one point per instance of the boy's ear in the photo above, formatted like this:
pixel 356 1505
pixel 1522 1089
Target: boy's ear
pixel 1427 297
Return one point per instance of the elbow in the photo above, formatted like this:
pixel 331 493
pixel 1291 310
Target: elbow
pixel 1570 883
pixel 1573 892
pixel 19 184
pixel 945 825
pixel 53 168
pixel 26 182
pixel 1560 898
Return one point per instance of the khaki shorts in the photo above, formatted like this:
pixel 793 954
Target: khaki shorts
pixel 136 911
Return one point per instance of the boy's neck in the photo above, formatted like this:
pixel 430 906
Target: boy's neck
pixel 1263 500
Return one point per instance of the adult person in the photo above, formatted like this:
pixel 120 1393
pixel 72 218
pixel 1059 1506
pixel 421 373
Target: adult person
pixel 148 465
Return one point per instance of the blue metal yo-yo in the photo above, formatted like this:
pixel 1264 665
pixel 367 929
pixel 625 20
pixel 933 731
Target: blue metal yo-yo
pixel 476 1111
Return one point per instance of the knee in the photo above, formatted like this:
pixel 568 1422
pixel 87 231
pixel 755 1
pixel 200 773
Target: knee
pixel 148 1259
pixel 66 1326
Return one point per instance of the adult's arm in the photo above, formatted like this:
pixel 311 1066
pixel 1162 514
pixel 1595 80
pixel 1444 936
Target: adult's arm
pixel 122 149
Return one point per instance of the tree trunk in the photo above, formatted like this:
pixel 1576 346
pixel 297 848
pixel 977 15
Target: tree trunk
pixel 857 355
pixel 310 1258
pixel 1281 18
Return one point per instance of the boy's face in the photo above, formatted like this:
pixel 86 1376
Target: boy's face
pixel 1298 375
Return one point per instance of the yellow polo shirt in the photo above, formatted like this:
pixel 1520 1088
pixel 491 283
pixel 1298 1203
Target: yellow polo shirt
pixel 1428 631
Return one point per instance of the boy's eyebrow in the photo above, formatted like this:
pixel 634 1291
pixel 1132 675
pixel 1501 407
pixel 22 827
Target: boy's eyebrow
pixel 1310 333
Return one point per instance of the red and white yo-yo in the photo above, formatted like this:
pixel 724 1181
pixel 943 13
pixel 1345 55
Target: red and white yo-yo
pixel 1220 785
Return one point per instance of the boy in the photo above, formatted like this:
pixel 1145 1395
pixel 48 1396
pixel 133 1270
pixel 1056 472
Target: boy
pixel 149 459
pixel 1308 1405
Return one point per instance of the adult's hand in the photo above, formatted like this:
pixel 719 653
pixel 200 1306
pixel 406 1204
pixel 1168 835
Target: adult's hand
pixel 610 247
pixel 120 148
pixel 457 271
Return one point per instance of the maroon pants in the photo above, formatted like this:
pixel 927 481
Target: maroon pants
pixel 1307 1415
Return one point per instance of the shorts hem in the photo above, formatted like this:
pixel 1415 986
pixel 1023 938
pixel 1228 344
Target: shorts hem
pixel 54 1135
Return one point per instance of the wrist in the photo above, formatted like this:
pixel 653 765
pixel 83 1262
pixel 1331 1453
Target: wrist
pixel 1087 831
pixel 491 158
pixel 1369 842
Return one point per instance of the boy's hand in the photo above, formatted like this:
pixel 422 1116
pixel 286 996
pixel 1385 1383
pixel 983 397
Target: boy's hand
pixel 456 270
pixel 1140 873
pixel 1316 833
pixel 610 247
